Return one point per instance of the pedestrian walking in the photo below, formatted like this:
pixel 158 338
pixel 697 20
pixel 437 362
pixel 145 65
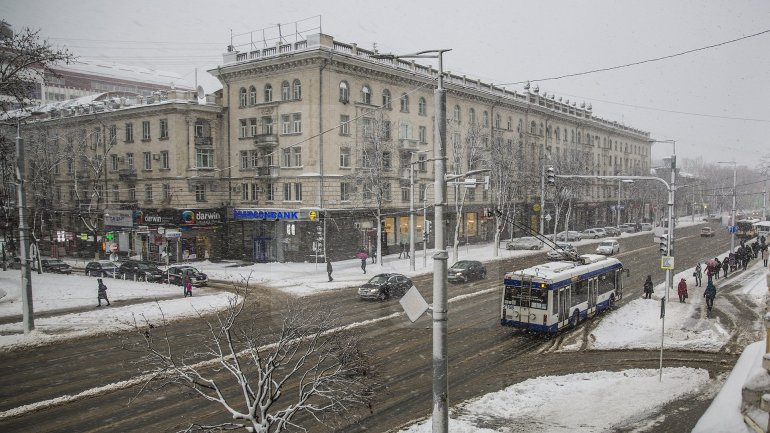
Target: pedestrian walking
pixel 710 293
pixel 187 286
pixel 717 267
pixel 400 249
pixel 733 266
pixel 681 290
pixel 764 256
pixel 102 293
pixel 725 265
pixel 363 264
pixel 329 269
pixel 648 287
pixel 698 274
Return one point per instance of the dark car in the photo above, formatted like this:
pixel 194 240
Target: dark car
pixel 141 271
pixel 102 268
pixel 177 274
pixel 466 270
pixel 385 286
pixel 55 266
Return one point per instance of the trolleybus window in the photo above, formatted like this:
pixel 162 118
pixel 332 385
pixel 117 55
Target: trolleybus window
pixel 523 297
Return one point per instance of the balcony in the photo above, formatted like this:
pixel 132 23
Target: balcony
pixel 127 175
pixel 267 172
pixel 266 140
pixel 203 141
pixel 407 143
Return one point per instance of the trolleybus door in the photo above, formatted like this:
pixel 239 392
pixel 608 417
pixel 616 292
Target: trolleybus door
pixel 526 299
pixel 565 301
pixel 593 283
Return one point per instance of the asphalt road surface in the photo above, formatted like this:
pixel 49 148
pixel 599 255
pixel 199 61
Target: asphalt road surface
pixel 94 379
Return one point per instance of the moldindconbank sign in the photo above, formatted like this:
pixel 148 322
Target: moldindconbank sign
pixel 276 214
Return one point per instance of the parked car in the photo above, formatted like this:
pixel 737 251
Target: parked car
pixel 102 268
pixel 646 227
pixel 613 231
pixel 707 232
pixel 466 270
pixel 525 243
pixel 608 247
pixel 561 251
pixel 591 234
pixel 628 228
pixel 602 232
pixel 385 286
pixel 568 236
pixel 142 271
pixel 177 274
pixel 55 266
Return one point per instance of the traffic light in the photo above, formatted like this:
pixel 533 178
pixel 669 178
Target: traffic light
pixel 550 175
pixel 664 247
pixel 427 227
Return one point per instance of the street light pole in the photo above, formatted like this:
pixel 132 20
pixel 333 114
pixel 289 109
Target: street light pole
pixel 617 208
pixel 28 319
pixel 732 213
pixel 542 199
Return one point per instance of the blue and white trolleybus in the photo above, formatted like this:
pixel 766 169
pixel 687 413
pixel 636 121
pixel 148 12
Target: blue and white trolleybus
pixel 555 295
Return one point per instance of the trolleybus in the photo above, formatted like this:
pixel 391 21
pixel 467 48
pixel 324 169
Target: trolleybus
pixel 745 228
pixel 556 295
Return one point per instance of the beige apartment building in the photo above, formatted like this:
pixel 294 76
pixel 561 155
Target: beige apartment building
pixel 300 116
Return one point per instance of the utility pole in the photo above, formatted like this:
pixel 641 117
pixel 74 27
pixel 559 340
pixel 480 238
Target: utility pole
pixel 28 319
pixel 542 200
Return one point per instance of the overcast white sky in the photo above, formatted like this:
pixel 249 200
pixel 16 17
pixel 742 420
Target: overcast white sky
pixel 712 102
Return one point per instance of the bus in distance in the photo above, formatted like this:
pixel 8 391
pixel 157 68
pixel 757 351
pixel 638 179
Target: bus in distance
pixel 556 295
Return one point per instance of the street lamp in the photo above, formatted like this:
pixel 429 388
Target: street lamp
pixel 28 319
pixel 671 210
pixel 440 367
pixel 732 214
pixel 411 204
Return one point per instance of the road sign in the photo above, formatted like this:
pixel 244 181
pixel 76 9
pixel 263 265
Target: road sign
pixel 413 304
pixel 536 207
pixel 548 217
pixel 732 229
pixel 114 248
pixel 667 262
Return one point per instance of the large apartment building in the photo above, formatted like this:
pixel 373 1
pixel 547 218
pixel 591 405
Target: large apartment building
pixel 309 144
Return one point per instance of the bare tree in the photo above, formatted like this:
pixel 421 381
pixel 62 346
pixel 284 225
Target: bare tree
pixel 466 154
pixel 370 182
pixel 503 160
pixel 572 161
pixel 265 378
pixel 25 62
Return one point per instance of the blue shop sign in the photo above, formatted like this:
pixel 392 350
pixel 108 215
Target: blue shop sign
pixel 272 214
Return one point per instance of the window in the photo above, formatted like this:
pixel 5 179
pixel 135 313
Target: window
pixel 130 161
pixel 296 153
pixel 164 161
pixel 510 123
pixel 344 124
pixel 421 107
pixel 132 194
pixel 249 191
pixel 533 127
pixel 344 92
pixel 292 191
pixel 270 191
pixel 286 157
pixel 405 194
pixel 113 162
pixel 345 191
pixel 268 93
pixel 485 119
pixel 200 192
pixel 386 192
pixel 423 132
pixel 386 99
pixel 115 193
pixel 147 160
pixel 252 95
pixel 204 158
pixel 344 157
pixel 243 130
pixel 253 127
pixel 148 193
pixel 291 123
pixel 498 121
pixel 166 191
pixel 267 125
pixel 249 159
pixel 405 130
pixel 242 97
pixel 129 132
pixel 386 130
pixel 456 114
pixel 297 89
pixel 163 129
pixel 113 134
pixel 472 116
pixel 422 165
pixel 404 103
pixel 285 91
pixel 366 126
pixel 146 131
pixel 366 95
pixel 386 161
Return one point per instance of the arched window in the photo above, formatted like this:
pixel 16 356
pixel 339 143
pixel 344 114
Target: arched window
pixel 422 107
pixel 456 113
pixel 498 120
pixel 565 135
pixel 533 127
pixel 472 116
pixel 297 89
pixel 485 119
pixel 285 96
pixel 252 95
pixel 558 136
pixel 242 97
pixel 344 92
pixel 268 93
pixel 404 103
pixel 510 123
pixel 540 131
pixel 366 95
pixel 548 132
pixel 386 99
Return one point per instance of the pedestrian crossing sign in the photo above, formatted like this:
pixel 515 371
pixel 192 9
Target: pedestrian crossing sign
pixel 667 262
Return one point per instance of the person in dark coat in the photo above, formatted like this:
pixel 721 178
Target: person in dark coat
pixel 363 263
pixel 681 290
pixel 102 293
pixel 329 269
pixel 710 293
pixel 717 267
pixel 648 287
pixel 698 275
pixel 725 265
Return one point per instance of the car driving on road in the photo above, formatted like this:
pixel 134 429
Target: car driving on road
pixel 569 236
pixel 608 247
pixel 466 270
pixel 177 274
pixel 707 232
pixel 524 243
pixel 55 266
pixel 385 286
pixel 142 271
pixel 613 231
pixel 561 251
pixel 592 234
pixel 102 268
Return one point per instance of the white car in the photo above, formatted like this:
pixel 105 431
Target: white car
pixel 592 234
pixel 608 247
pixel 561 251
pixel 525 243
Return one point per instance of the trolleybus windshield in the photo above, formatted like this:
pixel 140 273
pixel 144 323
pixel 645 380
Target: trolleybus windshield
pixel 525 297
